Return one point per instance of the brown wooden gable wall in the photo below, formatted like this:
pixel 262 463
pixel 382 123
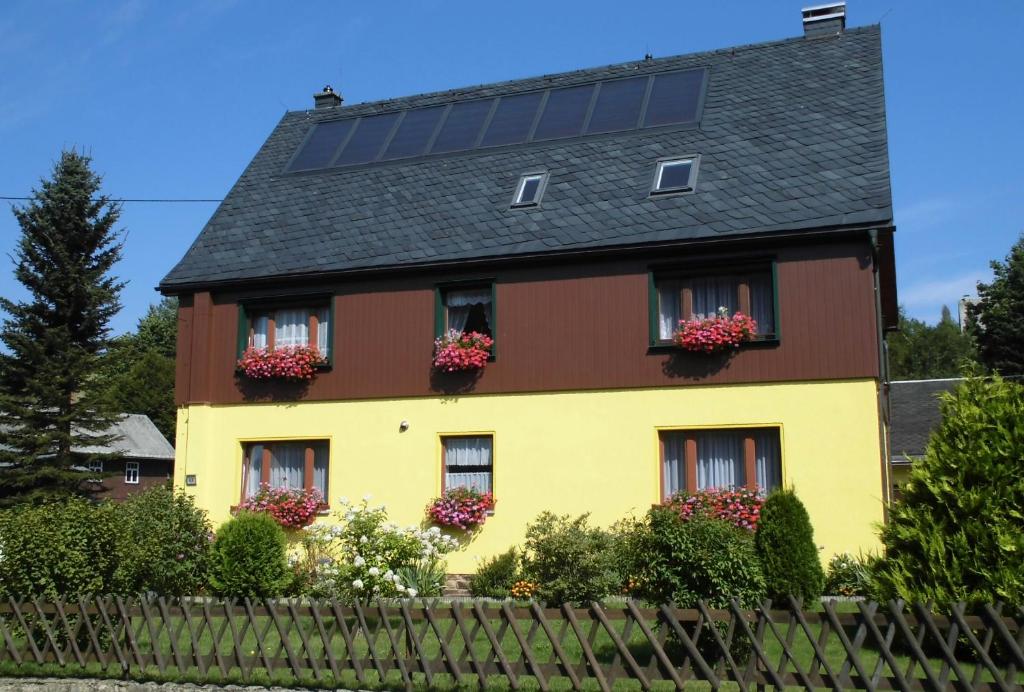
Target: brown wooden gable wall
pixel 565 327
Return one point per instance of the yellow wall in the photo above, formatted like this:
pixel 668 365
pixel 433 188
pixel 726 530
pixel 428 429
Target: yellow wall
pixel 572 452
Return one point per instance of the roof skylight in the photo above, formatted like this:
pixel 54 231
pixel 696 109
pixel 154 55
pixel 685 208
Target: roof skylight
pixel 675 175
pixel 530 190
pixel 612 105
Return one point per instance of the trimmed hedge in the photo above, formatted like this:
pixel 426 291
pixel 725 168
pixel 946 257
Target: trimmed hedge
pixel 248 557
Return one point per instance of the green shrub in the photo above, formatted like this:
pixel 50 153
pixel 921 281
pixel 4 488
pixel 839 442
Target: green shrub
pixel 849 575
pixel 496 575
pixel 65 548
pixel 570 561
pixel 701 559
pixel 425 577
pixel 248 557
pixel 785 546
pixel 957 534
pixel 163 544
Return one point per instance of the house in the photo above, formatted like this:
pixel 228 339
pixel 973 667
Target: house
pixel 914 414
pixel 574 218
pixel 146 459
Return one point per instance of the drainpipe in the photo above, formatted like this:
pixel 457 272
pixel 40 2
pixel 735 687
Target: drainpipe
pixel 883 373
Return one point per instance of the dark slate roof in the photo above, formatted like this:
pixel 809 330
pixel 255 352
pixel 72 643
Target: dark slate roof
pixel 792 137
pixel 914 410
pixel 136 438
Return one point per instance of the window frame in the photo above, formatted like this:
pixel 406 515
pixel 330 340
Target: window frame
pixel 267 443
pixel 443 467
pixel 441 308
pixel 95 466
pixel 518 202
pixel 690 445
pixel 130 466
pixel 680 272
pixel 249 309
pixel 659 168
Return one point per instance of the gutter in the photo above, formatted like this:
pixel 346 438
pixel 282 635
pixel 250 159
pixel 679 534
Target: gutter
pixel 883 376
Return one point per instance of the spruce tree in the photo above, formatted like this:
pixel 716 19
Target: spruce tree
pixel 50 399
pixel 999 315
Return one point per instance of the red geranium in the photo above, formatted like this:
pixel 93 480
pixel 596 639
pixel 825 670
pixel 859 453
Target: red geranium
pixel 287 363
pixel 293 508
pixel 741 507
pixel 461 508
pixel 713 334
pixel 462 351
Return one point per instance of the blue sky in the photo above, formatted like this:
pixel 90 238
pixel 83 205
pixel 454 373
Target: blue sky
pixel 172 99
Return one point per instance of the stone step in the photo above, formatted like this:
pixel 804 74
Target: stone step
pixel 457 585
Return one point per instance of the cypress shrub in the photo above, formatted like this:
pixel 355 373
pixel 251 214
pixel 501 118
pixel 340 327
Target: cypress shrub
pixel 248 557
pixel 786 548
pixel 957 534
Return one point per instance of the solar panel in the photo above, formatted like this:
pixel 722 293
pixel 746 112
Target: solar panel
pixel 321 145
pixel 674 98
pixel 618 105
pixel 366 142
pixel 664 98
pixel 462 126
pixel 512 120
pixel 414 133
pixel 565 112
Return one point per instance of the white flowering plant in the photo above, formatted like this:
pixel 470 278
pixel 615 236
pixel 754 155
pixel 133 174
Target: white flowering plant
pixel 360 557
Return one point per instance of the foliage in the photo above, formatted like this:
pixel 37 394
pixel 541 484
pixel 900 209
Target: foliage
pixel 50 402
pixel 461 508
pixel 248 557
pixel 163 543
pixel 740 507
pixel 919 351
pixel 849 575
pixel 957 534
pixel 715 334
pixel 570 561
pixel 998 317
pixel 66 548
pixel 703 559
pixel 293 363
pixel 424 578
pixel 359 559
pixel 457 351
pixel 496 576
pixel 785 546
pixel 292 508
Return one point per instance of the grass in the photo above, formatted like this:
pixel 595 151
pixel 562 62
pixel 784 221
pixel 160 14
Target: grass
pixel 604 650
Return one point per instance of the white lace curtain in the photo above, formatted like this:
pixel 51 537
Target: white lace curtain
pixel 459 304
pixel 674 463
pixel 720 462
pixel 287 466
pixel 291 328
pixel 709 295
pixel 468 463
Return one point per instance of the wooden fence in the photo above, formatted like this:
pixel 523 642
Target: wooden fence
pixel 432 644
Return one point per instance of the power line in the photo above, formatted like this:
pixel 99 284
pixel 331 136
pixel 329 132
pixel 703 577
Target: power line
pixel 121 199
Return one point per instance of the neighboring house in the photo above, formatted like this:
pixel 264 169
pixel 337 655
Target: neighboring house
pixel 914 414
pixel 575 218
pixel 147 459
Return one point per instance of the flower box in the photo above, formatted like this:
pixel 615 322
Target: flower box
pixel 292 363
pixel 740 507
pixel 292 508
pixel 458 351
pixel 715 334
pixel 461 508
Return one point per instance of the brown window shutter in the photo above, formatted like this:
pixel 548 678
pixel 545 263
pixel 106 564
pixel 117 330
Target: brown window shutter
pixel 308 477
pixel 749 462
pixel 691 462
pixel 743 290
pixel 314 328
pixel 265 470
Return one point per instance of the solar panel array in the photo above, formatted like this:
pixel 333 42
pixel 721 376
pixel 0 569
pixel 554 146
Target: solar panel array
pixel 614 105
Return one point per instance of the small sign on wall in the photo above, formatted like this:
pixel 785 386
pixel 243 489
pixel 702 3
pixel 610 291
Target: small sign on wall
pixel 190 479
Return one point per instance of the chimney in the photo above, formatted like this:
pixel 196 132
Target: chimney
pixel 326 98
pixel 824 20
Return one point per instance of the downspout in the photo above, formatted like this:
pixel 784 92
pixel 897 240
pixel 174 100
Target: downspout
pixel 883 376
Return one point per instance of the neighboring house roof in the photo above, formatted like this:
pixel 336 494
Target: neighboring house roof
pixel 138 437
pixel 792 136
pixel 914 408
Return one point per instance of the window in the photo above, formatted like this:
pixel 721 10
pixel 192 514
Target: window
pixel 96 467
pixel 530 189
pixel 698 296
pixel 131 472
pixel 296 465
pixel 291 326
pixel 468 463
pixel 469 309
pixel 675 175
pixel 703 459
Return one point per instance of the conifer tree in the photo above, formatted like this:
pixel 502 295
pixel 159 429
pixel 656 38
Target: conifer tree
pixel 999 315
pixel 50 401
pixel 785 545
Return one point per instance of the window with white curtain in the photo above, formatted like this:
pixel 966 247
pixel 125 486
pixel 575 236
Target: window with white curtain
pixel 699 297
pixel 468 462
pixel 131 472
pixel 469 309
pixel 295 465
pixel 718 459
pixel 284 327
